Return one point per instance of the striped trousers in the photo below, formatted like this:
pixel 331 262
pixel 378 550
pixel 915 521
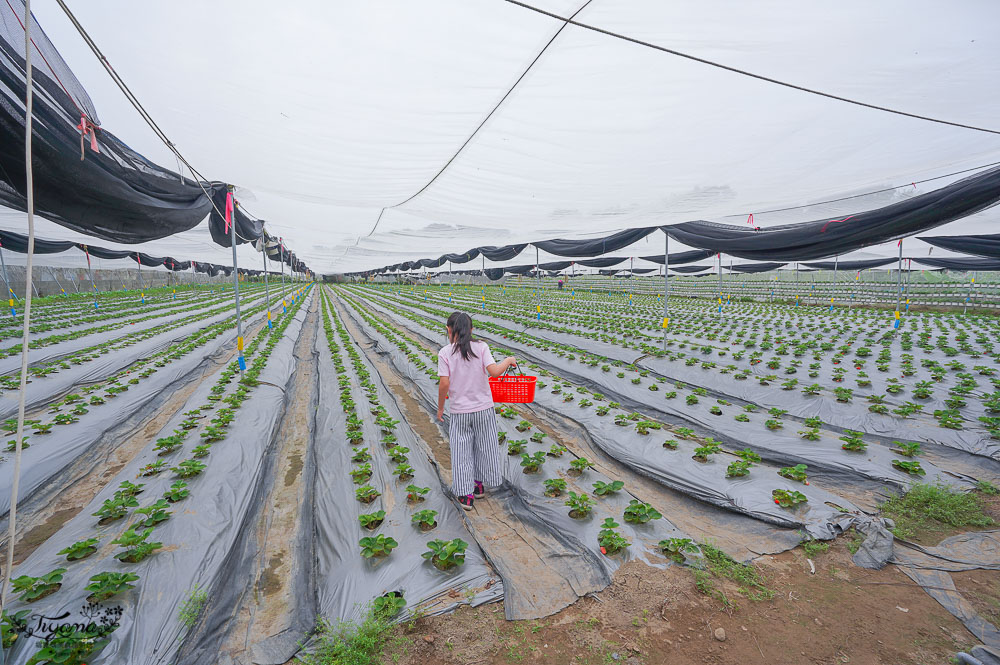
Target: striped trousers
pixel 475 451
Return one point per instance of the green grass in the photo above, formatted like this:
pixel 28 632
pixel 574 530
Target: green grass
pixel 348 643
pixel 190 609
pixel 930 508
pixel 814 548
pixel 986 487
pixel 856 541
pixel 748 578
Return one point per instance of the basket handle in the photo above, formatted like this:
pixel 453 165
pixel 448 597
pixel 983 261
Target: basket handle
pixel 510 370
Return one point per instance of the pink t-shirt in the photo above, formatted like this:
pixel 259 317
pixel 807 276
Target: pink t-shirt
pixel 469 388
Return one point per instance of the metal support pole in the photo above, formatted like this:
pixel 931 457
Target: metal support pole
pixel 968 298
pixel 899 277
pixel 6 281
pixel 538 287
pixel 666 287
pixel 719 256
pixel 267 290
pixel 236 290
pixel 833 291
pixel 52 272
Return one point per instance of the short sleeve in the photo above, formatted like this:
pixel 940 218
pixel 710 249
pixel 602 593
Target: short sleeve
pixel 443 368
pixel 487 355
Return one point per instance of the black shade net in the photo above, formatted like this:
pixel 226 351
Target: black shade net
pixel 978 245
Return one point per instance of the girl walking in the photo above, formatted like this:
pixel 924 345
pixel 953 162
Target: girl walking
pixel 465 366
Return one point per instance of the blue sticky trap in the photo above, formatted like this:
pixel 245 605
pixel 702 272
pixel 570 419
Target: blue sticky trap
pixel 95 305
pixel 539 316
pixel 142 301
pixel 831 308
pixel 720 309
pixel 284 310
pixel 243 363
pixel 270 324
pixel 907 307
pixel 895 324
pixel 13 312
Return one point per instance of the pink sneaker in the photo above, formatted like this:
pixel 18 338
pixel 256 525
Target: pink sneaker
pixel 466 501
pixel 480 491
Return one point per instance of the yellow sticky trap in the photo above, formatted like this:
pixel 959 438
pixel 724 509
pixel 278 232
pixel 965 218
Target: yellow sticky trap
pixel 269 315
pixel 239 343
pixel 666 322
pixel 897 313
pixel 831 301
pixel 11 302
pixel 539 308
pixel 907 301
pixel 973 280
pixel 720 301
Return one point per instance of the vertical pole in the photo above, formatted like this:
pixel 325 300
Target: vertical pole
pixel 899 277
pixel 972 284
pixel 666 286
pixel 267 291
pixel 538 297
pixel 52 271
pixel 281 264
pixel 833 292
pixel 719 256
pixel 30 199
pixel 6 281
pixel 236 286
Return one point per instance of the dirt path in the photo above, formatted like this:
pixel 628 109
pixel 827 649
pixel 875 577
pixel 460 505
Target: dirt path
pixel 842 614
pixel 267 617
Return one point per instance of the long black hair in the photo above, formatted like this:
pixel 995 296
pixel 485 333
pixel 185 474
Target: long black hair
pixel 460 325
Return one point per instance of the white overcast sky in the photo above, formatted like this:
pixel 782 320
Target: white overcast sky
pixel 329 110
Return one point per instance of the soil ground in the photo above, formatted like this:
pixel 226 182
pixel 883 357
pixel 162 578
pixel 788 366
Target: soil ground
pixel 840 614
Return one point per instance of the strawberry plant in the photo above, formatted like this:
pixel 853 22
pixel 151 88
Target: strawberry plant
pixel 578 466
pixel 389 605
pixel 65 419
pixel 537 437
pixel 643 426
pixel 213 433
pixel 72 647
pixel 748 455
pixel 701 453
pixel 607 489
pixel 554 487
pixel 178 491
pixel 416 494
pixel 397 454
pixel 788 498
pixel 907 449
pixel 580 504
pixel 853 441
pixel 638 512
pixel 557 450
pixel 43 428
pixel 130 489
pixel 168 444
pixel 742 417
pixel 190 423
pixel 602 410
pixel 12 625
pixel 684 432
pixel 371 521
pixel 532 463
pixel 188 468
pixel 813 422
pixel 670 444
pixel 403 472
pixel 36 588
pixel 201 451
pixel 911 467
pixel 135 545
pixel 106 585
pixel 446 554
pixel 360 455
pixel 773 424
pixel 366 494
pixel 797 473
pixel 523 426
pixel 153 514
pixel 516 447
pixel 678 548
pixel 425 519
pixel 377 546
pixel 116 508
pixel 80 549
pixel 610 540
pixel 738 468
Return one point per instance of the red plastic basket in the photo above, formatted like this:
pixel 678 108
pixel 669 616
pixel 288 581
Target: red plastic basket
pixel 513 388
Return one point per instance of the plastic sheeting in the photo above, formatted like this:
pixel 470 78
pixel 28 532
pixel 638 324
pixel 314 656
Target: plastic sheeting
pixel 979 245
pixel 345 581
